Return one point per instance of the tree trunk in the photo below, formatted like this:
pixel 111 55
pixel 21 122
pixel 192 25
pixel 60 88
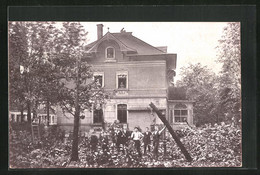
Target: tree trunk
pixel 22 118
pixel 174 136
pixel 74 153
pixel 48 111
pixel 29 117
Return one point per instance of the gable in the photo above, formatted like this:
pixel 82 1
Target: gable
pixel 108 37
pixel 127 43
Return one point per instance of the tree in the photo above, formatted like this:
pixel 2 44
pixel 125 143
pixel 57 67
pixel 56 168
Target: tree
pixel 202 88
pixel 55 69
pixel 229 54
pixel 48 71
pixel 79 91
pixel 32 46
pixel 19 83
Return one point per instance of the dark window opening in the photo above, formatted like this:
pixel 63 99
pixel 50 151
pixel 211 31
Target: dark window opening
pixel 110 53
pixel 122 81
pixel 98 116
pixel 99 80
pixel 122 113
pixel 12 118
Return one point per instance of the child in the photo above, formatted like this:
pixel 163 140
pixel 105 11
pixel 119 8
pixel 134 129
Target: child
pixel 137 136
pixel 147 140
pixel 156 138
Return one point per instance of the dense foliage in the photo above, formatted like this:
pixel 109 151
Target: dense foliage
pixel 201 86
pixel 229 55
pixel 217 97
pixel 209 146
pixel 48 66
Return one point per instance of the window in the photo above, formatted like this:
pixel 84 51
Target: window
pixel 122 113
pixel 52 117
pixel 98 115
pixel 122 80
pixel 110 53
pixel 180 116
pixel 99 78
pixel 180 113
pixel 171 117
pixel 18 118
pixel 12 117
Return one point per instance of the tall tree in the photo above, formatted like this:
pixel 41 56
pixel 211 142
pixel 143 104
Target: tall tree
pixel 229 54
pixel 79 91
pixel 202 87
pixel 33 76
pixel 48 72
pixel 19 81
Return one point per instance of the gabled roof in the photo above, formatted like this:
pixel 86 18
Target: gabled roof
pixel 128 43
pixel 140 46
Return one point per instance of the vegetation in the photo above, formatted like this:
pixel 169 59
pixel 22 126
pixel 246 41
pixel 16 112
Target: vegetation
pixel 217 98
pixel 209 145
pixel 48 66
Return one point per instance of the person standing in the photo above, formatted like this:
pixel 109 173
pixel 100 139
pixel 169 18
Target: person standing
pixel 103 138
pixel 156 138
pixel 137 136
pixel 147 140
pixel 125 137
pixel 118 136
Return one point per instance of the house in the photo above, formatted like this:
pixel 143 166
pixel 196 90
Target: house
pixel 15 117
pixel 136 74
pixel 180 108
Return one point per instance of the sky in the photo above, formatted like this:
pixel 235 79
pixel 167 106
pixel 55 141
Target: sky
pixel 193 42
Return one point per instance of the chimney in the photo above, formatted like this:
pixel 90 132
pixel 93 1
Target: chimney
pixel 99 31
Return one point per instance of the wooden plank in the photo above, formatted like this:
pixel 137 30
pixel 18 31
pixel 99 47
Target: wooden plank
pixel 174 136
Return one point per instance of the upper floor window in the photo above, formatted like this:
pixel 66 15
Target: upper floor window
pixel 110 53
pixel 99 78
pixel 122 80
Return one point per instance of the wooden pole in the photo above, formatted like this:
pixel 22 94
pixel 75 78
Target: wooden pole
pixel 174 136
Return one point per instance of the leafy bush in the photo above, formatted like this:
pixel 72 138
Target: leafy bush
pixel 209 146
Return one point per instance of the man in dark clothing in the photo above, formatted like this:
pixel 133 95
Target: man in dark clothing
pixel 147 140
pixel 126 134
pixel 118 136
pixel 156 138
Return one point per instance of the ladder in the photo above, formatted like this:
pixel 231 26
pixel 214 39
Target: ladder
pixel 36 132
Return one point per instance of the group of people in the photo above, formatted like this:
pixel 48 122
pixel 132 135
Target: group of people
pixel 121 138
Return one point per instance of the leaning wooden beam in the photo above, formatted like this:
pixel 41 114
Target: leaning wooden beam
pixel 174 136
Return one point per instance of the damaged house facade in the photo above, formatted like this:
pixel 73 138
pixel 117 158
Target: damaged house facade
pixel 135 74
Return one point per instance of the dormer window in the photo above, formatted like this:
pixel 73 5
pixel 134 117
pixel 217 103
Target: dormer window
pixel 110 53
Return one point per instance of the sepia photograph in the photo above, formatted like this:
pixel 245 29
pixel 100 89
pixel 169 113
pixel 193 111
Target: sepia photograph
pixel 124 94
